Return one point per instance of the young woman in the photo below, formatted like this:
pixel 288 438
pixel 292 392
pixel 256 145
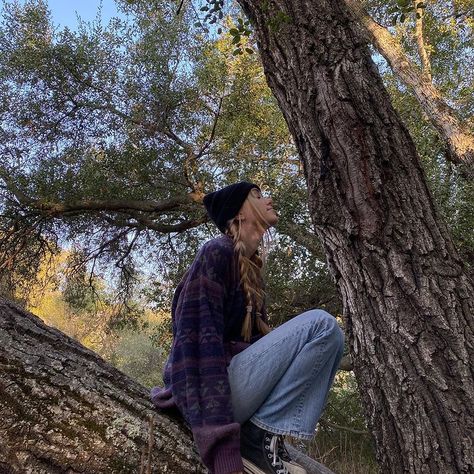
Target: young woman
pixel 240 386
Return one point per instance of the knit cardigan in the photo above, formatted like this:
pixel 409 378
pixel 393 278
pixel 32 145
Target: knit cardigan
pixel 207 312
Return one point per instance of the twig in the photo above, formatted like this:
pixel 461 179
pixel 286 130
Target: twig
pixel 150 441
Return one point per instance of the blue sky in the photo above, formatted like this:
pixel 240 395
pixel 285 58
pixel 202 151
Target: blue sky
pixel 65 12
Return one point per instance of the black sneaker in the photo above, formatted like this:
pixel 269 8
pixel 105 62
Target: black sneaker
pixel 292 466
pixel 259 450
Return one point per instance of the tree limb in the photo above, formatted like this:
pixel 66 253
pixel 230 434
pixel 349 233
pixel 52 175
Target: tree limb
pixel 123 205
pixel 302 236
pixel 63 408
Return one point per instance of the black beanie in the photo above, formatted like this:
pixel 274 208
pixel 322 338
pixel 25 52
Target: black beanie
pixel 224 204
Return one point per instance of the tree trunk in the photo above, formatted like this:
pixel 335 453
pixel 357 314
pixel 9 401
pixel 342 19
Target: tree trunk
pixel 64 410
pixel 408 304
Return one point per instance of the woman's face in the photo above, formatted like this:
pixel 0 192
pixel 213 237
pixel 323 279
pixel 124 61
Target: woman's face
pixel 261 206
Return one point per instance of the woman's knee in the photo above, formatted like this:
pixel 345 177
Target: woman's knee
pixel 327 322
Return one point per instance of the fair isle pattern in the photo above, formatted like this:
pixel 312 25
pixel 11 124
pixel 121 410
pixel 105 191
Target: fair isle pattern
pixel 207 310
pixel 199 376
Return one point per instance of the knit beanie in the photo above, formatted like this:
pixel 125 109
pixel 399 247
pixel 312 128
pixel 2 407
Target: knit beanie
pixel 224 204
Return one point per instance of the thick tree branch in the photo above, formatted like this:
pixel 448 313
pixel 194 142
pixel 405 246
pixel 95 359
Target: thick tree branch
pixel 459 140
pixel 63 408
pixel 123 205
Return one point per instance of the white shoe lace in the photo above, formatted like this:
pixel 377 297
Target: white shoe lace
pixel 281 468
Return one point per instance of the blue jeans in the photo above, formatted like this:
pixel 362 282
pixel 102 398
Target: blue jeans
pixel 281 382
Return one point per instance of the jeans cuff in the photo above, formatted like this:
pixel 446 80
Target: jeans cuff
pixel 279 431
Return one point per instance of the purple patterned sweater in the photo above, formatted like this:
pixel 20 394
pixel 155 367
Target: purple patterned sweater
pixel 207 311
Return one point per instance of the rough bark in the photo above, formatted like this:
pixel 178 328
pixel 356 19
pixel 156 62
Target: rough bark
pixel 64 410
pixel 458 138
pixel 408 304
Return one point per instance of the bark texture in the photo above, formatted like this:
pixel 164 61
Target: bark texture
pixel 64 410
pixel 408 304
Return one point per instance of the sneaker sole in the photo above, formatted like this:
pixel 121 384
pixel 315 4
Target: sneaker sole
pixel 250 468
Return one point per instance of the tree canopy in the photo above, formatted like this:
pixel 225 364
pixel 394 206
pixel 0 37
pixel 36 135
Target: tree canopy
pixel 111 134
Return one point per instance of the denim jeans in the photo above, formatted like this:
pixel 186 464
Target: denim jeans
pixel 281 382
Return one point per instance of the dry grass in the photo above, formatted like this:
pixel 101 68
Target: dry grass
pixel 343 453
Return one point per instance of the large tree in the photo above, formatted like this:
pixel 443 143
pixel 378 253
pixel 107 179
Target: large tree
pixel 404 290
pixel 112 134
pixel 408 304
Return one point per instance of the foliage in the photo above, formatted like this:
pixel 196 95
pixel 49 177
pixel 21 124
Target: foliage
pixel 96 92
pixel 402 8
pixel 136 354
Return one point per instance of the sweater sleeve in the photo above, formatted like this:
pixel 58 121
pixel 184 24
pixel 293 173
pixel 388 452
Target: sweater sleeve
pixel 199 380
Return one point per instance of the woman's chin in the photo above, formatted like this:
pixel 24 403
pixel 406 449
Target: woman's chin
pixel 273 220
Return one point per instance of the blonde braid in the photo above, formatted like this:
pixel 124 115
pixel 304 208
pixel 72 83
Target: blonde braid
pixel 251 280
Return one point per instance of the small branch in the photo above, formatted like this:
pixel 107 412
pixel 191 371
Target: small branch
pixel 168 228
pixel 420 41
pixel 127 252
pixel 213 130
pixel 94 254
pixel 180 6
pixel 343 428
pixel 302 236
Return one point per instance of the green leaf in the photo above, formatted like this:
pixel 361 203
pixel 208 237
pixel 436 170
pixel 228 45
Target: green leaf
pixel 402 17
pixel 420 5
pixel 236 39
pixel 234 31
pixel 237 51
pixel 204 9
pixel 219 31
pixel 249 50
pixel 198 24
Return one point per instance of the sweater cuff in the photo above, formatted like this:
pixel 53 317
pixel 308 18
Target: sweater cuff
pixel 228 460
